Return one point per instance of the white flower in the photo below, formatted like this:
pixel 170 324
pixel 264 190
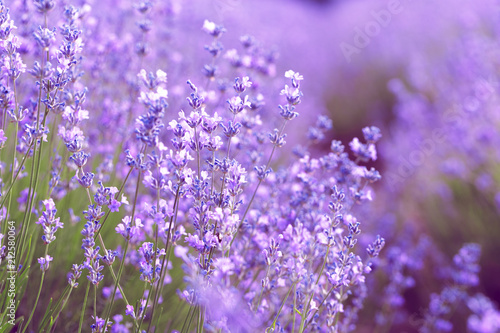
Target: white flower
pixel 209 27
pixel 294 76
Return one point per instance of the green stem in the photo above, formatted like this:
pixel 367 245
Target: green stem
pixel 17 174
pixel 262 289
pixel 166 258
pixel 68 288
pixel 83 307
pixel 37 296
pixel 255 191
pixel 95 305
pixel 192 316
pixel 120 270
pixel 294 307
pixel 201 319
pixel 321 304
pixel 306 308
pixel 13 168
pixel 198 159
pixel 117 281
pixel 155 227
pixel 282 305
pixel 188 315
pixel 62 307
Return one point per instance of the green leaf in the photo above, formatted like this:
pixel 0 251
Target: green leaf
pixel 48 313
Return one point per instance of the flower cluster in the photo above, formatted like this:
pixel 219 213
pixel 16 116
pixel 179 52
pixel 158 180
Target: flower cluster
pixel 218 200
pixel 49 222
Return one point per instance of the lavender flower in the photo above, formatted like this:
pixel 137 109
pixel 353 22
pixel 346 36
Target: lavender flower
pixel 217 201
pixel 485 317
pixel 443 304
pixel 49 222
pixel 44 262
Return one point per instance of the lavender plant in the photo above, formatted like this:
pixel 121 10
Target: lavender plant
pixel 156 191
pixel 188 212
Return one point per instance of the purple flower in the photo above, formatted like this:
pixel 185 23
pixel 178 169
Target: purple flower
pixel 372 134
pixel 130 311
pixel 236 104
pixel 127 229
pixel 240 85
pixel 114 206
pixel 44 262
pixel 86 180
pixel 287 112
pixel 94 267
pixel 107 291
pixel 44 37
pixel 74 275
pixel 292 94
pixel 3 138
pixel 212 29
pixel 485 316
pixel 295 77
pixel 151 264
pixel 49 222
pixel 364 152
pixel 466 262
pixel 375 248
pixel 109 257
pixel 98 326
pixel 277 139
pixel 44 6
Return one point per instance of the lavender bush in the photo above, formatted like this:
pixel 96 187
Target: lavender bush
pixel 147 186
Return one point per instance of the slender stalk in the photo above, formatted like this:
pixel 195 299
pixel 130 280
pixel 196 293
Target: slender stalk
pixel 166 258
pixel 13 168
pixel 120 270
pixel 262 289
pixel 146 307
pixel 66 293
pixel 201 319
pixel 155 227
pixel 117 281
pixel 196 309
pixel 176 316
pixel 306 308
pixel 32 188
pixel 188 315
pixel 198 158
pixel 282 305
pixel 24 226
pixel 14 150
pixel 17 174
pixel 37 296
pixel 294 307
pixel 34 174
pixel 321 304
pixel 68 288
pixel 83 307
pixel 63 305
pixel 255 191
pixel 95 305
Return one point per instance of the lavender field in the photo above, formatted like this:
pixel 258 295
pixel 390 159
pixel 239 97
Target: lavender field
pixel 250 166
